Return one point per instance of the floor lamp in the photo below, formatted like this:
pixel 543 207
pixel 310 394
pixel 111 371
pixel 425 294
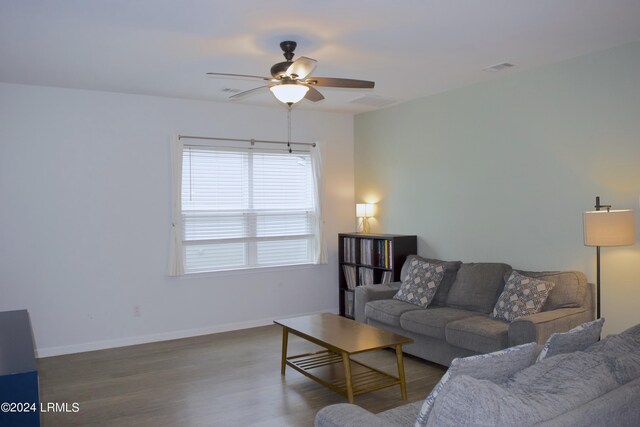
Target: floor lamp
pixel 607 228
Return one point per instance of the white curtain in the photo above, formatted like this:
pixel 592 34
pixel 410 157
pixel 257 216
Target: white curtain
pixel 176 260
pixel 316 163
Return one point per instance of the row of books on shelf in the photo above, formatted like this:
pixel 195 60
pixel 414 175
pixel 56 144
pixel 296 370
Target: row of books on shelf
pixel 381 254
pixel 349 249
pixel 373 252
pixel 348 304
pixel 387 277
pixel 364 276
pixel 366 256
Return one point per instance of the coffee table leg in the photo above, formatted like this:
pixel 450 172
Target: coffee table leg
pixel 403 386
pixel 285 339
pixel 347 375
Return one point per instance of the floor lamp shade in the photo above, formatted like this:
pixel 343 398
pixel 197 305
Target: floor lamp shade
pixel 609 228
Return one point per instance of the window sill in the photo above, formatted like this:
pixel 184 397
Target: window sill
pixel 249 270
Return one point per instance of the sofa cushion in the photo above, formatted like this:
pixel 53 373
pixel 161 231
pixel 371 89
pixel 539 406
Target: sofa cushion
pixel 622 352
pixel 451 270
pixel 538 393
pixel 477 286
pixel 481 334
pixel 554 372
pixel 431 322
pixel 421 283
pixel 388 311
pixel 633 331
pixel 497 366
pixel 470 402
pixel 626 368
pixel 522 296
pixel 614 346
pixel 576 339
pixel 569 291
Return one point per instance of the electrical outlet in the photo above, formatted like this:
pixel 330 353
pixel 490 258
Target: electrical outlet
pixel 136 311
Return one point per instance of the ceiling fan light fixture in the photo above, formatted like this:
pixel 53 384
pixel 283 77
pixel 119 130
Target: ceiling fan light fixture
pixel 289 93
pixel 289 80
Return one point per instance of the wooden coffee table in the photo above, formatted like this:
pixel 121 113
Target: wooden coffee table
pixel 342 338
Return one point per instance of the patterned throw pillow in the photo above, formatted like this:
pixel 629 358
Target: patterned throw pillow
pixel 576 339
pixel 496 367
pixel 421 283
pixel 522 296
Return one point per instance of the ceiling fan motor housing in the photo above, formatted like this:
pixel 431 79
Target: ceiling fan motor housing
pixel 278 70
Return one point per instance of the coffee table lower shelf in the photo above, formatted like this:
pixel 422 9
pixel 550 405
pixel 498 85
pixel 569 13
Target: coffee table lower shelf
pixel 327 368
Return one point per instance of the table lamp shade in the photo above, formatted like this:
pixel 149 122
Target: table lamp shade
pixel 609 228
pixel 364 210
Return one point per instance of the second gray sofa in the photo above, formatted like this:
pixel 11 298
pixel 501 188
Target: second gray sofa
pixel 458 323
pixel 596 386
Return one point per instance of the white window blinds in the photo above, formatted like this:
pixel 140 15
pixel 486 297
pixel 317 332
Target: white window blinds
pixel 244 208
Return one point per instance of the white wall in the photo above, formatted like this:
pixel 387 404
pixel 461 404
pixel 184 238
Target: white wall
pixel 502 171
pixel 85 214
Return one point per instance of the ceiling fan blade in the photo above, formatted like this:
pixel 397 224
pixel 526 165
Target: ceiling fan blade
pixel 239 76
pixel 313 95
pixel 248 92
pixel 301 67
pixel 335 82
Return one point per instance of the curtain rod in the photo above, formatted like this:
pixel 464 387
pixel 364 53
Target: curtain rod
pixel 252 141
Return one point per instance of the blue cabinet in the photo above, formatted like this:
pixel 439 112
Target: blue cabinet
pixel 18 372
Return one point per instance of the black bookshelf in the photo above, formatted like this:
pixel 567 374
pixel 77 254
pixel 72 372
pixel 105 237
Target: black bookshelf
pixel 365 258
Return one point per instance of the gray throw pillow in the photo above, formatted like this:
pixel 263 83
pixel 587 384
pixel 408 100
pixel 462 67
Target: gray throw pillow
pixel 496 367
pixel 576 339
pixel 522 296
pixel 421 283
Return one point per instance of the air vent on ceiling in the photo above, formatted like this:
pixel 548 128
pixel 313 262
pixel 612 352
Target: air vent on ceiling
pixel 230 90
pixel 499 67
pixel 373 101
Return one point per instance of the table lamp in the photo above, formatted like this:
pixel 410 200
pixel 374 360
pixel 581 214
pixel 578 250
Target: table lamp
pixel 364 211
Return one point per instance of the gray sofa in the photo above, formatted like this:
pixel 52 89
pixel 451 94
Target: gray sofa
pixel 595 387
pixel 457 323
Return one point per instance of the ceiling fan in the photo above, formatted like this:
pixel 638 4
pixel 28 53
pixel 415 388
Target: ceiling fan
pixel 290 81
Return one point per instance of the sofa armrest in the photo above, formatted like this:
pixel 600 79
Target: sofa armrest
pixel 348 415
pixel 364 294
pixel 539 327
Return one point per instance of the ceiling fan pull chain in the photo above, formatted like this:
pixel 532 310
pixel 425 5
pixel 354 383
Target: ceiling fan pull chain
pixel 289 128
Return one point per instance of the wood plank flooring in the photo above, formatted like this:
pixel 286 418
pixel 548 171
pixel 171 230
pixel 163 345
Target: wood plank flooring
pixel 226 379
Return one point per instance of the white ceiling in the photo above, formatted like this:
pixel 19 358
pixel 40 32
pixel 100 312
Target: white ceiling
pixel 410 48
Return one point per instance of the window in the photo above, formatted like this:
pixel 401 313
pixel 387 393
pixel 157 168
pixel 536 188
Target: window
pixel 246 208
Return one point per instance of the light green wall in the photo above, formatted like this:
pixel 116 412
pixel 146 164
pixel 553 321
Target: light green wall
pixel 501 171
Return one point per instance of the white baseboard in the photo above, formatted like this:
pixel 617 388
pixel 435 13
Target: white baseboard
pixel 165 336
